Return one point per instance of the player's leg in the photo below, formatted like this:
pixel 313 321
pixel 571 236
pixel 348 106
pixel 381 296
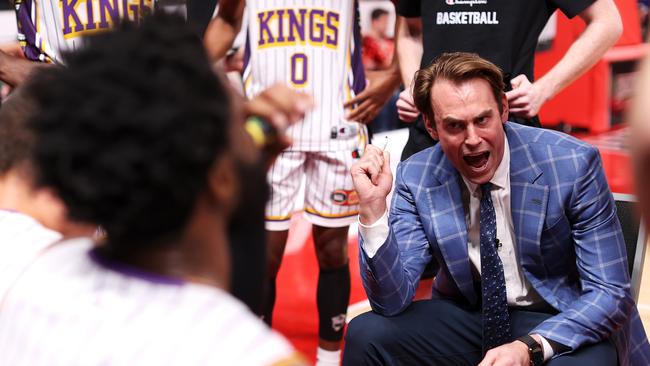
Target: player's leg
pixel 284 179
pixel 333 291
pixel 331 205
pixel 276 242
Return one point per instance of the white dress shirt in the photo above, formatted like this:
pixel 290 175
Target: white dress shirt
pixel 518 289
pixel 21 239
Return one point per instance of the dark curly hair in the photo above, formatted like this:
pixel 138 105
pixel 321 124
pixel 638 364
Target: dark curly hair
pixel 130 128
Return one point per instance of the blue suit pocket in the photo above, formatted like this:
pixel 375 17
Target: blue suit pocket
pixel 557 247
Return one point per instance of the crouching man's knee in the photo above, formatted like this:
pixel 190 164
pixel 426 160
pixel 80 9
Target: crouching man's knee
pixel 367 340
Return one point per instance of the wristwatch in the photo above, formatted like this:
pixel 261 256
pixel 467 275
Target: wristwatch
pixel 534 350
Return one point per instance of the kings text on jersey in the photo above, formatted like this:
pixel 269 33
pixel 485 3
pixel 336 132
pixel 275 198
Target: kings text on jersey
pixel 85 16
pixel 286 27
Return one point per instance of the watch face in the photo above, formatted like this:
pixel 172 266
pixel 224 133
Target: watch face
pixel 537 357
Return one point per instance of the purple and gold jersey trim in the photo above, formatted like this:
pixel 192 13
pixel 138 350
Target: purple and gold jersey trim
pixel 359 76
pixel 324 215
pixel 355 76
pixel 130 271
pixel 28 33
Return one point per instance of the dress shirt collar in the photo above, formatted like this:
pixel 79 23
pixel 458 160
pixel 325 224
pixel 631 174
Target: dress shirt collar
pixel 500 178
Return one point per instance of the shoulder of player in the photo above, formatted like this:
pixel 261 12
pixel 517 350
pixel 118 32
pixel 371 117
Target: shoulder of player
pixel 19 230
pixel 242 338
pixel 16 221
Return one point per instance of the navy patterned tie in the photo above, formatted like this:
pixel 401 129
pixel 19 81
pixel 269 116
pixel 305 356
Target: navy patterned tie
pixel 496 321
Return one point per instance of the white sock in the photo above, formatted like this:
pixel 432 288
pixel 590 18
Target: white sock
pixel 327 358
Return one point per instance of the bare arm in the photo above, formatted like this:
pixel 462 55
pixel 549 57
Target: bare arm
pixel 281 107
pixel 14 70
pixel 223 29
pixel 381 85
pixel 639 138
pixel 409 49
pixel 408 45
pixel 604 27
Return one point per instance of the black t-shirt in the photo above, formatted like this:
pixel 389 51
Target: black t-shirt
pixel 504 32
pixel 199 13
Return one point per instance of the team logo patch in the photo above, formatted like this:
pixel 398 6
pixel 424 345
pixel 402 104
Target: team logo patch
pixel 338 322
pixel 345 197
pixel 344 131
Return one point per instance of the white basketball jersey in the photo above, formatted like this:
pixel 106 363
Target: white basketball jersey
pixel 46 28
pixel 72 307
pixel 21 239
pixel 313 46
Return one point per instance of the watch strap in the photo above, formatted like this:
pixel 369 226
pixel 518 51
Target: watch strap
pixel 535 350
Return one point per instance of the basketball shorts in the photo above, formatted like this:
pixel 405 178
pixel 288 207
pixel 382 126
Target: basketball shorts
pixel 330 199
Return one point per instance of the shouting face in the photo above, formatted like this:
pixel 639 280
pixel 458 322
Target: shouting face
pixel 469 125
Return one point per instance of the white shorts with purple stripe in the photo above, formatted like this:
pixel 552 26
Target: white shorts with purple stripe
pixel 330 199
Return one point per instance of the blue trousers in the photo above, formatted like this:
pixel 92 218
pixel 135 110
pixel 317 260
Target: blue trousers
pixel 440 332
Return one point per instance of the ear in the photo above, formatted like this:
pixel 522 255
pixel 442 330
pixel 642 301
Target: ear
pixel 223 182
pixel 504 108
pixel 430 127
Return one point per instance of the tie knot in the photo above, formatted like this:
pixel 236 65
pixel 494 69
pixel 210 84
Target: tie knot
pixel 485 188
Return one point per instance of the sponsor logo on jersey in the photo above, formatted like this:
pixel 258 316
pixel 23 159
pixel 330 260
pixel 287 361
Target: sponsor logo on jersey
pixel 85 16
pixel 345 197
pixel 466 17
pixel 344 131
pixel 287 27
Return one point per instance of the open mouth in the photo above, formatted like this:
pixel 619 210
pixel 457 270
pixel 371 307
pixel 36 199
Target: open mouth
pixel 477 161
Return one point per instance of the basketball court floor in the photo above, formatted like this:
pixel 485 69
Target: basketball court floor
pixel 295 312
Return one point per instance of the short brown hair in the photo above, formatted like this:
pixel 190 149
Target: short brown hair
pixel 455 67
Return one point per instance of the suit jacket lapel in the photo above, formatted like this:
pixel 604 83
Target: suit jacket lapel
pixel 450 228
pixel 529 199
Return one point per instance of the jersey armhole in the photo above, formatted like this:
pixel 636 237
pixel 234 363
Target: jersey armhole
pixel 409 8
pixel 571 8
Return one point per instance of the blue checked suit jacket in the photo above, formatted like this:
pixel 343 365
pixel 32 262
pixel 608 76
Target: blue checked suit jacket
pixel 569 240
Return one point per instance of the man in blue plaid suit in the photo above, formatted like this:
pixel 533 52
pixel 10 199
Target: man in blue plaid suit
pixel 561 273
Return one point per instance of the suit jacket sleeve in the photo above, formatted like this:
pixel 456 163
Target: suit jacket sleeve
pixel 605 301
pixel 391 276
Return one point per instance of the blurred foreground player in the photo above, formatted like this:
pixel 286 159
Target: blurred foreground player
pixel 138 135
pixel 639 118
pixel 31 217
